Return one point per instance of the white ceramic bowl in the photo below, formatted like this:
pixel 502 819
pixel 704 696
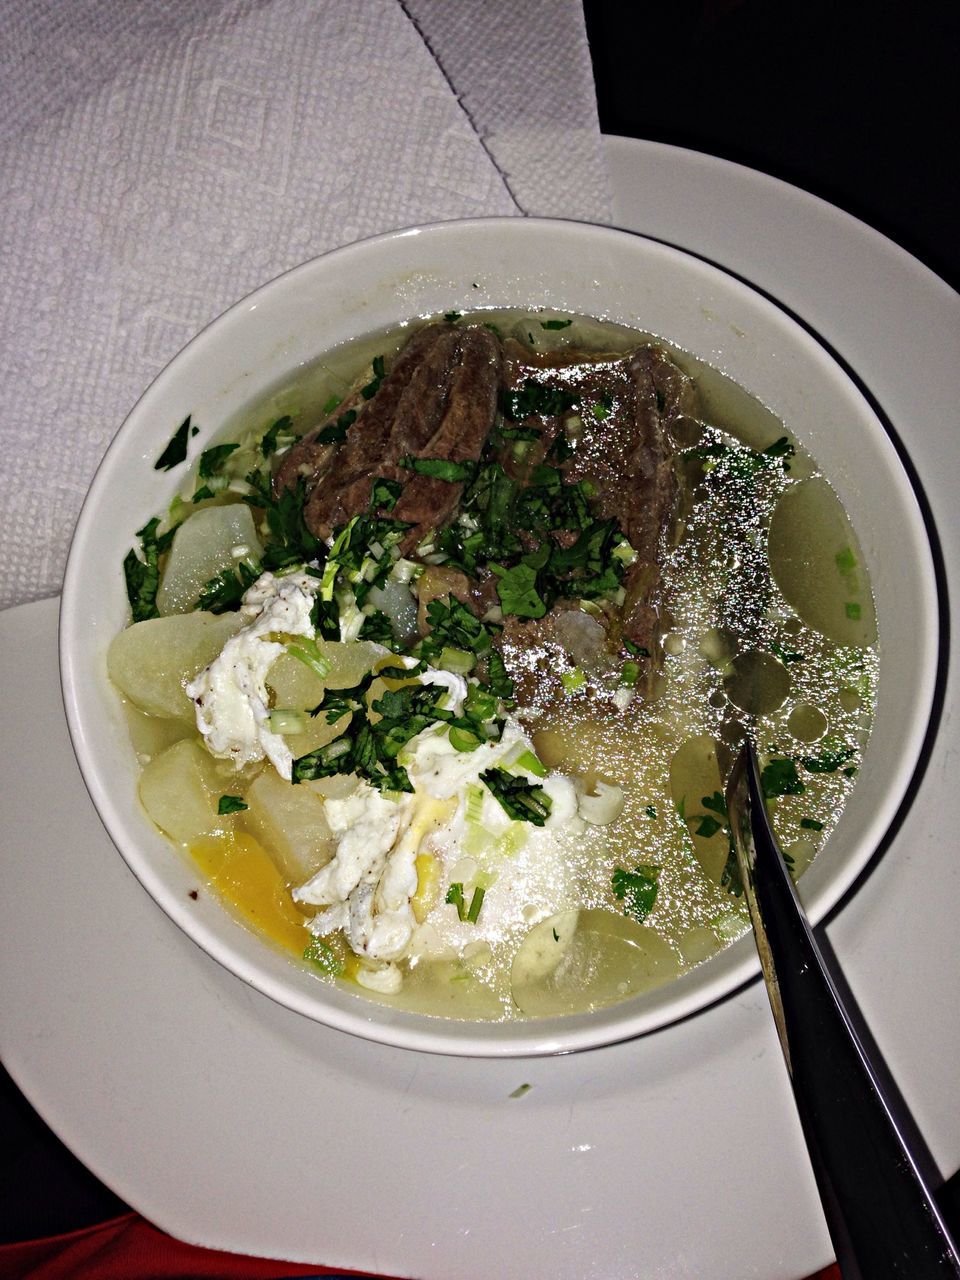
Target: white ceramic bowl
pixel 462 266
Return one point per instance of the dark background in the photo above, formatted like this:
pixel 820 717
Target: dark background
pixel 855 103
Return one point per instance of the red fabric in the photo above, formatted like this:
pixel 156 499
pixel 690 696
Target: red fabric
pixel 129 1248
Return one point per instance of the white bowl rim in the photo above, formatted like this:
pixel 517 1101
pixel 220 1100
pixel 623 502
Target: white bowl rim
pixel 664 1006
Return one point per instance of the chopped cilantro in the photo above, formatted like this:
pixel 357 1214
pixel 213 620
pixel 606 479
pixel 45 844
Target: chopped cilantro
pixel 384 494
pixel 636 889
pixel 517 589
pixel 225 591
pixel 555 324
pixel 212 459
pixel 231 804
pixel 780 778
pixel 330 405
pixel 534 398
pixel 269 443
pixel 142 573
pixel 846 560
pixel 336 432
pixel 651 811
pixel 786 656
pixel 373 386
pixel 377 627
pixel 176 450
pixel 810 824
pixel 451 317
pixel 291 541
pixel 852 610
pixel 636 650
pixel 827 761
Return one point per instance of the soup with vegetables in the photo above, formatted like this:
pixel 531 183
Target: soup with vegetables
pixel 440 656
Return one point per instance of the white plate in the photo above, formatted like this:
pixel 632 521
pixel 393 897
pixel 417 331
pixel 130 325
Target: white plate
pixel 232 1122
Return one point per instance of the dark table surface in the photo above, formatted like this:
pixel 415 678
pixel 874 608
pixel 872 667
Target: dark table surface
pixel 856 104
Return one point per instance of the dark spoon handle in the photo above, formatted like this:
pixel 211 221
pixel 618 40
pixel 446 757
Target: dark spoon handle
pixel 880 1213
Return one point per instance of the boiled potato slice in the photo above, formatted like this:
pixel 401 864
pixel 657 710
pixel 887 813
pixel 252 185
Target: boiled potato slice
pixel 695 773
pixel 151 661
pixel 180 790
pixel 608 958
pixel 208 542
pixel 290 823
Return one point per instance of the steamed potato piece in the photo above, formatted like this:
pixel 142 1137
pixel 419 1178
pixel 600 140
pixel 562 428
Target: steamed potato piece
pixel 151 661
pixel 208 542
pixel 294 686
pixel 695 773
pixel 180 790
pixel 608 957
pixel 289 822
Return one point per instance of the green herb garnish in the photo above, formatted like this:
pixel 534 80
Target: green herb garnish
pixel 176 450
pixel 780 778
pixel 522 801
pixel 636 889
pixel 231 804
pixel 555 324
pixel 440 469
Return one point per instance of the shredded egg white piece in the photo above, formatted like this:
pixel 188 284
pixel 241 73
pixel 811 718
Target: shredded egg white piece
pixel 231 693
pixel 367 888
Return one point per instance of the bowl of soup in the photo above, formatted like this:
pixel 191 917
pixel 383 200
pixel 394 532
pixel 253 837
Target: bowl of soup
pixel 417 611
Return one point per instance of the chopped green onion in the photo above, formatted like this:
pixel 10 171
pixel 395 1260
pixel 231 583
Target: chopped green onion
pixel 476 902
pixel 474 806
pixel 629 673
pixel 572 681
pixel 307 651
pixel 323 956
pixel 529 762
pixel 463 739
pixel 455 898
pixel 459 661
pixel 852 610
pixel 176 449
pixel 283 720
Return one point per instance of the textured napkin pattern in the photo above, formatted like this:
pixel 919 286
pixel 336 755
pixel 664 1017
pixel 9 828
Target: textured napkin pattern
pixel 162 159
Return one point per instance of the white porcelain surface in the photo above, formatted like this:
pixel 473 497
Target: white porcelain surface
pixel 233 1122
pixel 519 263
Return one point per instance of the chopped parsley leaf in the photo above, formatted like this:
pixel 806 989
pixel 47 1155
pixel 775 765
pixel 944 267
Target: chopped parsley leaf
pixel 225 591
pixel 780 778
pixel 534 398
pixel 212 459
pixel 336 432
pixel 636 889
pixel 142 573
pixel 176 450
pixel 373 386
pixel 231 804
pixel 827 761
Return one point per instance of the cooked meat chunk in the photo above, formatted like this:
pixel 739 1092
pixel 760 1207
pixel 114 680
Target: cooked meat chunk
pixel 619 429
pixel 438 401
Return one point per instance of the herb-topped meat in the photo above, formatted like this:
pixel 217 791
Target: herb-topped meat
pixel 414 426
pixel 608 420
pixel 544 484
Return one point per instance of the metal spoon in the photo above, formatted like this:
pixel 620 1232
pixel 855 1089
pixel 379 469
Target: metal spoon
pixel 881 1216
